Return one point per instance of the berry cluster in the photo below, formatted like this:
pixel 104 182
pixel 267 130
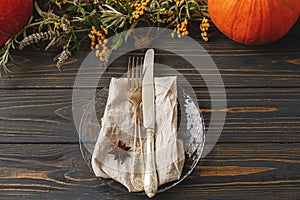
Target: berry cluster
pixel 165 16
pixel 99 41
pixel 204 26
pixel 139 8
pixel 181 29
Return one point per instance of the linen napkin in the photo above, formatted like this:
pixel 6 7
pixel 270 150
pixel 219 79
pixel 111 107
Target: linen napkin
pixel 118 130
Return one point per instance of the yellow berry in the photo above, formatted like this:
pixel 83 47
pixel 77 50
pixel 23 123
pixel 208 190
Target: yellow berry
pixel 97 53
pixel 172 34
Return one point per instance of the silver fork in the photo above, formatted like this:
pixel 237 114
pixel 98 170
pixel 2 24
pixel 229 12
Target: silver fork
pixel 134 96
pixel 134 81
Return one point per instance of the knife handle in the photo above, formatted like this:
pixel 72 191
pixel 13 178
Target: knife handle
pixel 150 178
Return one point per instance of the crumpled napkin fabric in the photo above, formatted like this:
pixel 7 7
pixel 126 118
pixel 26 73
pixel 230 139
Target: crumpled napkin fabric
pixel 118 124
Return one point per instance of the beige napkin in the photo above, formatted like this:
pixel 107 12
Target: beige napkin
pixel 118 125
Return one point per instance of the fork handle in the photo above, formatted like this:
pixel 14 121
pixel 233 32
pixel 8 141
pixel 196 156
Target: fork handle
pixel 150 178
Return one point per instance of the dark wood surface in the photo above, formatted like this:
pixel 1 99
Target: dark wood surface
pixel 257 155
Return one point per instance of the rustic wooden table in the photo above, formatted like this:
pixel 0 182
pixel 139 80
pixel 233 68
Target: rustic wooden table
pixel 257 155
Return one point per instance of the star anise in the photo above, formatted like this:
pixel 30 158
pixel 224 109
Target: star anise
pixel 120 150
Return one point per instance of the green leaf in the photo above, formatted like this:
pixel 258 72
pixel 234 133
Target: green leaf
pixel 50 44
pixel 71 9
pixel 37 8
pixel 122 23
pixel 2 50
pixel 93 20
pixel 81 10
pixel 117 41
pixel 13 60
pixel 188 13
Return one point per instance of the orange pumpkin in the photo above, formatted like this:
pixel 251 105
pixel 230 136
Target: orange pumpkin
pixel 254 22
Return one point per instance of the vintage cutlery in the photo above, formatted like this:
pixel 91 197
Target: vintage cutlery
pixel 134 94
pixel 148 106
pixel 134 81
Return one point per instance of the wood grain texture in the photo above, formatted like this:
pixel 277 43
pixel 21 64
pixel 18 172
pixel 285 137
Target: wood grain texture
pixel 253 115
pixel 230 171
pixel 257 155
pixel 275 65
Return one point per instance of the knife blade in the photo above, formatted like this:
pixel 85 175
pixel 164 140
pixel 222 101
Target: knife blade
pixel 148 106
pixel 148 90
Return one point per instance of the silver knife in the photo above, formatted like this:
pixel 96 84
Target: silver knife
pixel 148 96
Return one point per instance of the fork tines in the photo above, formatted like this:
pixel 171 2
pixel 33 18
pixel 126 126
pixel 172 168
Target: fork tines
pixel 134 73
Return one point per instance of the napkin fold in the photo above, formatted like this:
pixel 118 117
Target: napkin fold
pixel 118 127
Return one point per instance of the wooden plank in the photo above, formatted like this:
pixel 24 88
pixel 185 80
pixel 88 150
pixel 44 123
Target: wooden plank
pixel 253 115
pixel 230 171
pixel 275 64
